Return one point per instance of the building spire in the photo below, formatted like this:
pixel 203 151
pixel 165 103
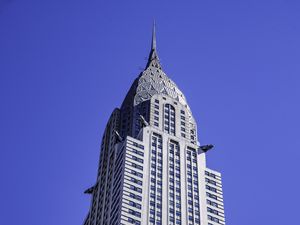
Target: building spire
pixel 153 57
pixel 153 46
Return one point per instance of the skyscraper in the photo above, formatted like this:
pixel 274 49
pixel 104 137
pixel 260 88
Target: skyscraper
pixel 152 169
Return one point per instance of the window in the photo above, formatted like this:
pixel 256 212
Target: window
pixel 134 196
pixel 210 181
pixel 213 218
pixel 210 174
pixel 211 196
pixel 212 203
pixel 169 119
pixel 211 188
pixel 213 211
pixel 134 204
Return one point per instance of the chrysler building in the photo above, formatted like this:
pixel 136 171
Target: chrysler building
pixel 152 168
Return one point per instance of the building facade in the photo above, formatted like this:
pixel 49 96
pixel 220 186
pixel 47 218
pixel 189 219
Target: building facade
pixel 152 169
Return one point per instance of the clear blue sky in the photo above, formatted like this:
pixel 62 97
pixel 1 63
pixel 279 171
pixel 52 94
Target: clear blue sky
pixel 64 66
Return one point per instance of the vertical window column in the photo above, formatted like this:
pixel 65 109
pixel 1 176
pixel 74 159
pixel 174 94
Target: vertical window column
pixel 169 119
pixel 193 189
pixel 174 184
pixel 156 181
